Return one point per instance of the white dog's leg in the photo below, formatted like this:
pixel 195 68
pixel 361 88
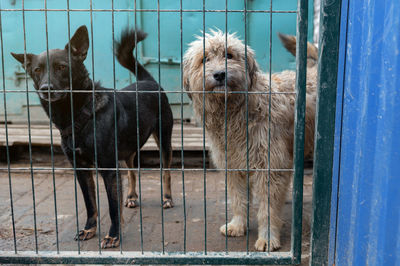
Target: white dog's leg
pixel 278 187
pixel 237 188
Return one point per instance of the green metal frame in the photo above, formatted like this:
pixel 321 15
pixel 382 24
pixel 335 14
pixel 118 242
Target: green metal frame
pixel 115 257
pixel 323 154
pixel 325 129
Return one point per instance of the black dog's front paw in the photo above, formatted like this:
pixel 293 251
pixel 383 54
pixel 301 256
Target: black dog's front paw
pixel 110 242
pixel 86 234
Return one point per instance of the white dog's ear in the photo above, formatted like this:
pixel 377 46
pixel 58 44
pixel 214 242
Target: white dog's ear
pixel 186 70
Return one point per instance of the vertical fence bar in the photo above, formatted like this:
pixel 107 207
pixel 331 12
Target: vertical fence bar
pixel 325 129
pixel 29 129
pixel 116 133
pixel 137 136
pixel 73 126
pixel 299 124
pixel 226 126
pixel 94 130
pixel 51 129
pixel 6 129
pixel 269 126
pixel 247 129
pixel 204 128
pixel 160 122
pixel 182 153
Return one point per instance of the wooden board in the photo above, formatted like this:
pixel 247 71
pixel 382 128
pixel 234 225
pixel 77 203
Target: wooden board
pixel 41 136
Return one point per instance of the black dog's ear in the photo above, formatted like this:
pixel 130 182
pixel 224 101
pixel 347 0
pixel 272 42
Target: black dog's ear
pixel 79 43
pixel 21 58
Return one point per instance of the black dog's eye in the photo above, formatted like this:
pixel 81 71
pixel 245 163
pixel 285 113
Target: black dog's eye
pixel 229 55
pixel 37 70
pixel 61 67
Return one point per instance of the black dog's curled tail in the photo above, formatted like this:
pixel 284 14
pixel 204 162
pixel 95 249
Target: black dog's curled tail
pixel 124 53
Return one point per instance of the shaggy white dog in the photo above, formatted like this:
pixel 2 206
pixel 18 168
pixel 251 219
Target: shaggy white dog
pixel 241 76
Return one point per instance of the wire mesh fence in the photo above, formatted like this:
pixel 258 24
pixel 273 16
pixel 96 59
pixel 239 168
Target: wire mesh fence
pixel 86 104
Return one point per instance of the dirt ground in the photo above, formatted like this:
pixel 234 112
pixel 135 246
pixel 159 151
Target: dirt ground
pixel 131 230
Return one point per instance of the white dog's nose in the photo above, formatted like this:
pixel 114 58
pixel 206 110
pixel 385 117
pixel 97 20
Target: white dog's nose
pixel 219 76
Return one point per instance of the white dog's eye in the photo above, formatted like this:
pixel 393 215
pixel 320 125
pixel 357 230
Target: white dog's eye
pixel 206 59
pixel 229 55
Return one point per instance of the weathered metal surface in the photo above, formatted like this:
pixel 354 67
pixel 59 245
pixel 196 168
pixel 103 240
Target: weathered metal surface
pixel 368 180
pixel 324 134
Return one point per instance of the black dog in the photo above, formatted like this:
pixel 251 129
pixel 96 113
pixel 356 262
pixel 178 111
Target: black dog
pixel 52 83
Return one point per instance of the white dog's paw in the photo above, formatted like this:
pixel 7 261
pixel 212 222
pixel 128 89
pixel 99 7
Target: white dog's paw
pixel 233 230
pixel 262 244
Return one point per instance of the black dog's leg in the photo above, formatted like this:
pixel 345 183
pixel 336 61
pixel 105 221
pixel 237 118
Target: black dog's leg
pixel 110 182
pixel 167 159
pixel 87 185
pixel 132 197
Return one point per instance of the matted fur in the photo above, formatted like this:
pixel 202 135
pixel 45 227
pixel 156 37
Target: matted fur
pixel 280 127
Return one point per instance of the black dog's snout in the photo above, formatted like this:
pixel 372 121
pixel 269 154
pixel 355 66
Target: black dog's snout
pixel 219 76
pixel 45 87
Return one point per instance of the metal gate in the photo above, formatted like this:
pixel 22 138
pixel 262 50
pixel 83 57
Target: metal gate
pixel 184 256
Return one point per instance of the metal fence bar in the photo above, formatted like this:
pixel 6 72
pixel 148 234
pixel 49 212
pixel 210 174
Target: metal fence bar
pixel 247 130
pixel 116 132
pixel 29 131
pixel 325 129
pixel 129 257
pixel 94 132
pixel 6 131
pixel 269 126
pixel 226 127
pixel 73 127
pixel 51 130
pixel 169 92
pixel 182 153
pixel 148 169
pixel 299 129
pixel 160 123
pixel 154 10
pixel 137 136
pixel 204 129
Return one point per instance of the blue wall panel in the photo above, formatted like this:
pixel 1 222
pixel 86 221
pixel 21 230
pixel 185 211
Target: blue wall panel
pixel 368 210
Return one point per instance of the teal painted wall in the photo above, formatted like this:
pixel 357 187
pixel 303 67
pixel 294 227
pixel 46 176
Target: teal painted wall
pixel 170 44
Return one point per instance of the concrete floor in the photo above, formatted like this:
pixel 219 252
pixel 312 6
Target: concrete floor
pixel 151 211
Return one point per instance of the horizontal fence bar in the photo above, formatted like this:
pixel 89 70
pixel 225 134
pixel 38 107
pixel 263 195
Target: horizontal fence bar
pixel 151 10
pixel 130 257
pixel 144 169
pixel 162 92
